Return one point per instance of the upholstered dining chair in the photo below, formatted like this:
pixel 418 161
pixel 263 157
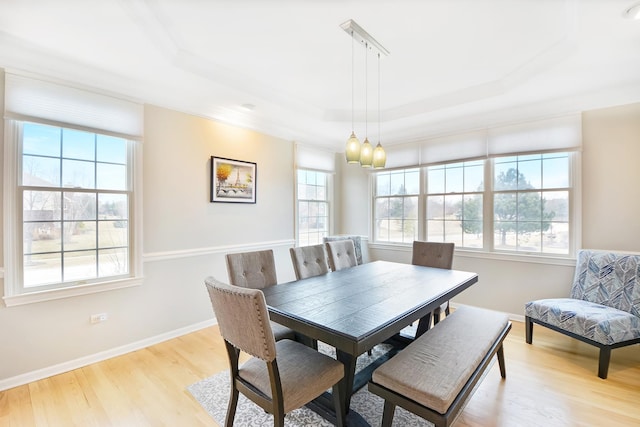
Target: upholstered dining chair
pixel 341 254
pixel 438 255
pixel 309 261
pixel 281 376
pixel 256 270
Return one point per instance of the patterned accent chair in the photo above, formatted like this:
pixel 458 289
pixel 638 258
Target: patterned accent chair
pixel 603 308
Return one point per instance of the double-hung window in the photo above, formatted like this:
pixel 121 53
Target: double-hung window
pixel 71 199
pixel 396 202
pixel 531 198
pixel 455 198
pixel 313 207
pixel 313 188
pixel 75 206
pixel 517 204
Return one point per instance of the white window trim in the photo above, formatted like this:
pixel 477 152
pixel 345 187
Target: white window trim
pixel 330 204
pixel 14 293
pixel 575 215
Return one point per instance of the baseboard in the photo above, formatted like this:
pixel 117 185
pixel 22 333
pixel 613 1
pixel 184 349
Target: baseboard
pixel 60 368
pixel 512 316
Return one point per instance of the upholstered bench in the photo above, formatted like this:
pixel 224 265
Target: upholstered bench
pixel 435 374
pixel 604 305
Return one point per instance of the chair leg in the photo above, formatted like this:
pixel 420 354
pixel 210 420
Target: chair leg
pixel 436 316
pixel 231 409
pixel 423 325
pixel 503 368
pixel 603 362
pixel 387 413
pixel 528 329
pixel 447 310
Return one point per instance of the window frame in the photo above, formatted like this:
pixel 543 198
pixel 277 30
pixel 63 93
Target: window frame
pixel 419 196
pixel 15 293
pixel 328 200
pixel 488 250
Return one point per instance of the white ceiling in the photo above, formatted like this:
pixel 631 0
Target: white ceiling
pixel 454 65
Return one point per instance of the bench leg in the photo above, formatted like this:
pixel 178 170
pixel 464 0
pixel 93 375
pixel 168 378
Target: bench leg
pixel 503 367
pixel 603 363
pixel 387 413
pixel 528 329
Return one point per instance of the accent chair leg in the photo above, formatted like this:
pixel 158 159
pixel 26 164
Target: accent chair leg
pixel 528 329
pixel 387 413
pixel 603 363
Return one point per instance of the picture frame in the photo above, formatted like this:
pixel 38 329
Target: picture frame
pixel 233 181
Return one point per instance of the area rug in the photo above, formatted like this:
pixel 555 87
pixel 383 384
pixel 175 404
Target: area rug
pixel 213 394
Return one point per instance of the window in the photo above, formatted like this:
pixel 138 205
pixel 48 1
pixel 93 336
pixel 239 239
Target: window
pixel 313 207
pixel 519 203
pixel 531 203
pixel 72 170
pixel 396 206
pixel 455 203
pixel 75 196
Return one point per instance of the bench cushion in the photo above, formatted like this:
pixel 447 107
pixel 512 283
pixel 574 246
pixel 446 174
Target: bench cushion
pixel 602 324
pixel 433 369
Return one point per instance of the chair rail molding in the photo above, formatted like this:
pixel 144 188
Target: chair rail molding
pixel 212 250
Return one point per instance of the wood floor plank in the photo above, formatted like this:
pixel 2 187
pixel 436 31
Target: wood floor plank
pixel 553 382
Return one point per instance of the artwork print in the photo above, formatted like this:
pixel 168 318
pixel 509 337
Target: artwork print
pixel 232 181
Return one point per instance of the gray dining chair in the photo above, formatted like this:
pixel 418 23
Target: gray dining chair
pixel 357 243
pixel 341 254
pixel 437 255
pixel 309 261
pixel 281 376
pixel 256 270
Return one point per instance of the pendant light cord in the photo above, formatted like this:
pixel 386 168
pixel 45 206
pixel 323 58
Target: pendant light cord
pixel 352 84
pixel 378 97
pixel 366 90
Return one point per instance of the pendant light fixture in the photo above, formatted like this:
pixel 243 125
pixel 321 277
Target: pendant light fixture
pixel 379 156
pixel 366 155
pixel 366 151
pixel 352 151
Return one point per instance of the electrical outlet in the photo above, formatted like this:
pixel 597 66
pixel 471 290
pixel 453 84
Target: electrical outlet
pixel 100 317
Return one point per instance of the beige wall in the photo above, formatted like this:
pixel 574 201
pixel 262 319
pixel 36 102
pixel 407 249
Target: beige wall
pixel 611 178
pixel 185 239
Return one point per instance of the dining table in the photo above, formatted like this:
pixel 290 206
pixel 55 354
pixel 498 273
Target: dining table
pixel 356 308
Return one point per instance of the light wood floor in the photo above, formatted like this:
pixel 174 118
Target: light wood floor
pixel 550 383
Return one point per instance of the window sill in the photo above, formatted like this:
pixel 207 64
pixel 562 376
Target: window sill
pixel 53 294
pixel 500 256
